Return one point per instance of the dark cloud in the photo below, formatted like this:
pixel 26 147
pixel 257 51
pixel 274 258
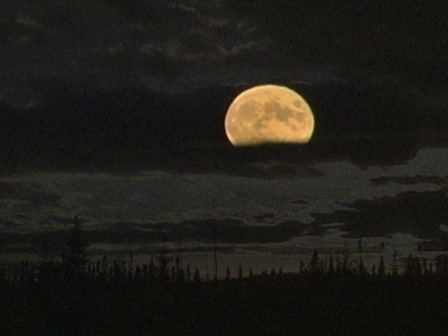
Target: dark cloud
pixel 416 213
pixel 225 231
pixel 32 194
pixel 113 43
pixel 235 231
pixel 378 181
pixel 86 128
pixel 392 35
pixel 126 85
pixel 168 46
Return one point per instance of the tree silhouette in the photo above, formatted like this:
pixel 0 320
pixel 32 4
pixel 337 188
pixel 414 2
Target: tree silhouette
pixel 163 275
pixel 331 269
pixel 381 267
pixel 188 273
pixel 394 263
pixel 361 268
pixel 412 266
pixel 315 265
pixel 196 276
pixel 121 290
pixel 75 257
pixel 227 273
pixel 441 263
pixel 47 262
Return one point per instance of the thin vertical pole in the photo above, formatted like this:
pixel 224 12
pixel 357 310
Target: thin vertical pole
pixel 215 252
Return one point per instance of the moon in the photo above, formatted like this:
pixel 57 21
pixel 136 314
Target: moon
pixel 269 114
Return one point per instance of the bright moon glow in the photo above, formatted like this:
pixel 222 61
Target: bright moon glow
pixel 269 114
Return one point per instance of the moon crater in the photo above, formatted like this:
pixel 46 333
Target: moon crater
pixel 269 114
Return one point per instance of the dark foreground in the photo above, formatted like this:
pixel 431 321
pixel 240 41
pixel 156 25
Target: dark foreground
pixel 283 304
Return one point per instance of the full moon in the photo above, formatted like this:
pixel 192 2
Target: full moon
pixel 269 114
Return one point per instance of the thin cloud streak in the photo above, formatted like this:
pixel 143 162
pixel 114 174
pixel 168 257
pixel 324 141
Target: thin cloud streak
pixel 159 196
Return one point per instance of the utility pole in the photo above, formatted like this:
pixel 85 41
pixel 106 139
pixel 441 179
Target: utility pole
pixel 215 251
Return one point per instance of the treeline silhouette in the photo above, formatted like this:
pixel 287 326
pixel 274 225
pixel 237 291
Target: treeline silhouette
pixel 72 295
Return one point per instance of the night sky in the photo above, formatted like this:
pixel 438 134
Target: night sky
pixel 114 111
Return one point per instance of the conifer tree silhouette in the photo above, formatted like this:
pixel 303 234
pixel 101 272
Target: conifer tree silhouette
pixel 188 273
pixel 163 269
pixel 46 263
pixel 227 273
pixel 331 269
pixel 394 263
pixel 381 267
pixel 196 276
pixel 75 257
pixel 412 266
pixel 315 265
